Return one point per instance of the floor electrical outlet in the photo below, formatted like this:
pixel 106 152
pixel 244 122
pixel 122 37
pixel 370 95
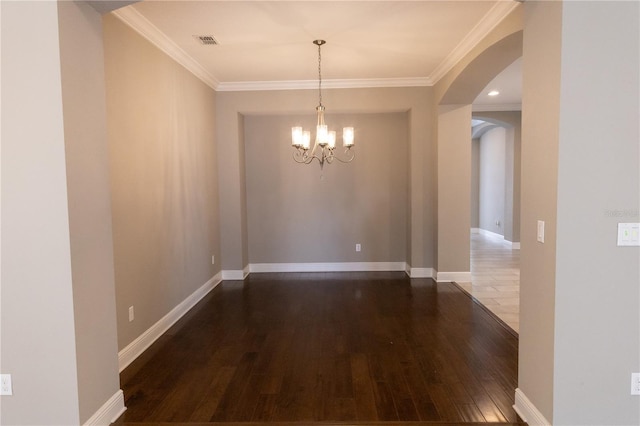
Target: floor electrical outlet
pixel 5 384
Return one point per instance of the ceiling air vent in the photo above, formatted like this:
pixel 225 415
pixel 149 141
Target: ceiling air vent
pixel 206 39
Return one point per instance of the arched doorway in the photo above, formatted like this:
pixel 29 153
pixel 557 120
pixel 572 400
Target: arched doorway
pixel 456 95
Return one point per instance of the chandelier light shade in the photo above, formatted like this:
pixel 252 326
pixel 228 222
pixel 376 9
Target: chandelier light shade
pixel 324 146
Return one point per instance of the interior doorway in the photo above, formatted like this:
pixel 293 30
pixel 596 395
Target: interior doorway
pixel 495 189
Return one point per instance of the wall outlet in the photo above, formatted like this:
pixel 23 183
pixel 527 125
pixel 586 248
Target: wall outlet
pixel 635 383
pixel 6 388
pixel 131 314
pixel 213 259
pixel 358 247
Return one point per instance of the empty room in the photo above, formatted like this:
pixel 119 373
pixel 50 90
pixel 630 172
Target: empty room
pixel 320 213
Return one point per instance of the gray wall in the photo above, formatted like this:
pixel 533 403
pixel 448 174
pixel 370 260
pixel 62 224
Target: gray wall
pixel 579 333
pixel 540 124
pixel 475 183
pixel 234 107
pixel 492 181
pixel 454 188
pixel 298 213
pixel 512 168
pixel 38 333
pixel 164 185
pixel 85 131
pixel 597 291
pixel 58 305
pixel 512 121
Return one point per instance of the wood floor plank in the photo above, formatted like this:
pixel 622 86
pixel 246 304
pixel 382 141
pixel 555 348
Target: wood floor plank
pixel 470 413
pixel 384 402
pixel 210 400
pixel 363 388
pixel 323 349
pixel 231 399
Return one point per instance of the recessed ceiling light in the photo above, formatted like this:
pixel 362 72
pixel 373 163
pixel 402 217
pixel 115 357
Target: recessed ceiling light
pixel 493 93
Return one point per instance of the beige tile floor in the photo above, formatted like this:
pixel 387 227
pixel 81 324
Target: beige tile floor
pixel 495 277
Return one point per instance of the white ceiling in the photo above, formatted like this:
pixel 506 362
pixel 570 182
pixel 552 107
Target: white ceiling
pixel 369 43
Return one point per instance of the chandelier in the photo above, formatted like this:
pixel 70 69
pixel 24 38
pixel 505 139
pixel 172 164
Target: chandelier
pixel 324 147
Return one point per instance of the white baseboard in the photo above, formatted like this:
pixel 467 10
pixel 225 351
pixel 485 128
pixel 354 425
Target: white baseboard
pixel 235 274
pixel 511 244
pixel 463 277
pixel 328 267
pixel 514 246
pixel 475 230
pixel 109 412
pixel 528 411
pixel 134 349
pixel 490 234
pixel 422 273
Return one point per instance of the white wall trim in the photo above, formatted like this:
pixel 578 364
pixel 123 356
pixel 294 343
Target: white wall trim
pixel 422 273
pixel 511 244
pixel 134 349
pixel 328 267
pixel 490 234
pixel 109 412
pixel 528 411
pixel 234 274
pixel 514 246
pixel 443 277
pixel 243 86
pixel 489 21
pixel 146 29
pixel 140 24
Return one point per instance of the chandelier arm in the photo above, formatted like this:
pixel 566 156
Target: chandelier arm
pixel 298 159
pixel 306 158
pixel 302 157
pixel 347 160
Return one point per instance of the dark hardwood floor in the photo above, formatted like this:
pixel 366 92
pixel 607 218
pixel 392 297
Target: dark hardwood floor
pixel 330 349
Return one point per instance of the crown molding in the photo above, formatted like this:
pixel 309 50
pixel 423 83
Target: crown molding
pixel 494 16
pixel 140 24
pixel 496 107
pixel 241 86
pixel 134 19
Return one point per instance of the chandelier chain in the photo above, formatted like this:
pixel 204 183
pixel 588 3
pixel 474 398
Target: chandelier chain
pixel 320 74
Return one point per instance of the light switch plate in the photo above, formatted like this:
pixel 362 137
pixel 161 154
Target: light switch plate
pixel 541 231
pixel 629 234
pixel 635 383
